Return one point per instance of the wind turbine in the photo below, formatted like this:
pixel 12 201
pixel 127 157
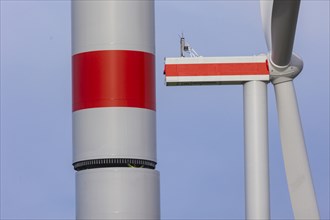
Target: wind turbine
pixel 280 66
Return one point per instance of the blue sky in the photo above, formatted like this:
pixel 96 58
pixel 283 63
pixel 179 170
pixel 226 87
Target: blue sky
pixel 199 129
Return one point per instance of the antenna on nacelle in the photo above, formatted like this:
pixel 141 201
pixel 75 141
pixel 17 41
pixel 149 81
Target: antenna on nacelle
pixel 186 48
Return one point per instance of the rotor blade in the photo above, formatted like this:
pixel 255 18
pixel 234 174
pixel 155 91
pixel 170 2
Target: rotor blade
pixel 283 28
pixel 297 169
pixel 266 8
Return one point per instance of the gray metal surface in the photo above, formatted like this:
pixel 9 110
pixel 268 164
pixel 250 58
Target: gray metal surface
pixel 117 193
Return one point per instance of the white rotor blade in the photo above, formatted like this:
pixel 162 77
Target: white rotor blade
pixel 297 169
pixel 280 21
pixel 283 27
pixel 266 8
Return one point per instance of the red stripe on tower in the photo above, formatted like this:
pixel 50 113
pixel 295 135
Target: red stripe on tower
pixel 113 78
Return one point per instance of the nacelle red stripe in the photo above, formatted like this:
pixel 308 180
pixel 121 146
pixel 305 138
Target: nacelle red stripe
pixel 113 78
pixel 216 69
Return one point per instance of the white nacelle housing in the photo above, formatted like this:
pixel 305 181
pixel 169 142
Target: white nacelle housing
pixel 215 70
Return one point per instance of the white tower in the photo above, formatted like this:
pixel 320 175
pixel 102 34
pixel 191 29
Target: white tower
pixel 114 118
